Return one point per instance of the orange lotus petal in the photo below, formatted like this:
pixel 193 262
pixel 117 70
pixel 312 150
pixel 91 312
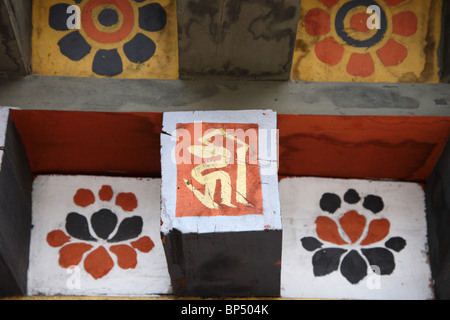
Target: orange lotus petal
pixel 327 230
pixel 353 224
pixel 404 23
pixel 98 263
pixel 71 254
pixel 106 193
pixel 329 3
pixel 57 238
pixel 378 230
pixel 84 198
pixel 317 22
pixel 392 53
pixel 144 244
pixel 329 51
pixel 394 3
pixel 126 256
pixel 127 201
pixel 360 65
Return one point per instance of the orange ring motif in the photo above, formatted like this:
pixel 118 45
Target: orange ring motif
pixel 106 37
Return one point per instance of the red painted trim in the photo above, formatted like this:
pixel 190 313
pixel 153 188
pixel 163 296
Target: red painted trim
pixel 127 144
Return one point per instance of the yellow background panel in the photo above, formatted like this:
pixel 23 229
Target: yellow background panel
pixel 419 65
pixel 48 59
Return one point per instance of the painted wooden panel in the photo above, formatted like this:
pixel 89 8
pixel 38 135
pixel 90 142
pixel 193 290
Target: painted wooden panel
pixel 220 214
pixel 341 40
pixel 15 208
pixel 105 38
pixel 355 239
pixel 96 235
pixel 236 150
pixel 376 147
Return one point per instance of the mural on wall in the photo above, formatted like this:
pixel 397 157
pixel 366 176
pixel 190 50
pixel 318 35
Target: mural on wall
pixel 368 40
pixel 105 38
pixel 107 229
pixel 354 239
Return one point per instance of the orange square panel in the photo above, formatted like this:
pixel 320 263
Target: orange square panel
pixel 217 170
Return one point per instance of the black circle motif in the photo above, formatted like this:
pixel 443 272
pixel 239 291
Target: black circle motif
pixel 340 28
pixel 108 17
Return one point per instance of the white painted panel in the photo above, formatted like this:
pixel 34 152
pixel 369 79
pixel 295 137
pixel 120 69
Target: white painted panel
pixel 403 207
pixel 53 201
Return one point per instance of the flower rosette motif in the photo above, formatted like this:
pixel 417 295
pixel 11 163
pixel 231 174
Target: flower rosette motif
pixel 111 28
pixel 93 239
pixel 352 243
pixel 341 26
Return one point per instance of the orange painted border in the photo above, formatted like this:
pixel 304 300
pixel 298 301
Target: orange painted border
pixel 402 148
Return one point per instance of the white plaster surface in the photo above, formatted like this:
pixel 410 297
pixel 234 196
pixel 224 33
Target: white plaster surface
pixel 268 161
pixel 4 115
pixel 404 207
pixel 53 200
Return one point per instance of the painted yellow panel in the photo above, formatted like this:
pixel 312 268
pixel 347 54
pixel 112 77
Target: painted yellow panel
pixel 105 38
pixel 368 41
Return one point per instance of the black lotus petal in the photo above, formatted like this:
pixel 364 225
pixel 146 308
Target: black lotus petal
pixel 397 244
pixel 139 49
pixel 152 17
pixel 104 222
pixel 330 202
pixel 311 244
pixel 77 226
pixel 58 16
pixel 326 261
pixel 373 203
pixel 353 267
pixel 351 196
pixel 129 228
pixel 74 47
pixel 382 258
pixel 107 63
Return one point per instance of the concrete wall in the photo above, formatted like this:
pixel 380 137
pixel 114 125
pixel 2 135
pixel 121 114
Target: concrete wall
pixel 15 36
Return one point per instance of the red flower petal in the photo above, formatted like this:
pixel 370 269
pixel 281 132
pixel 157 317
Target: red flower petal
pixel 404 23
pixel 57 238
pixel 144 244
pixel 72 254
pixel 360 65
pixel 106 193
pixel 353 224
pixel 98 263
pixel 392 53
pixel 378 230
pixel 327 230
pixel 329 3
pixel 126 256
pixel 84 198
pixel 393 3
pixel 329 51
pixel 127 201
pixel 317 22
